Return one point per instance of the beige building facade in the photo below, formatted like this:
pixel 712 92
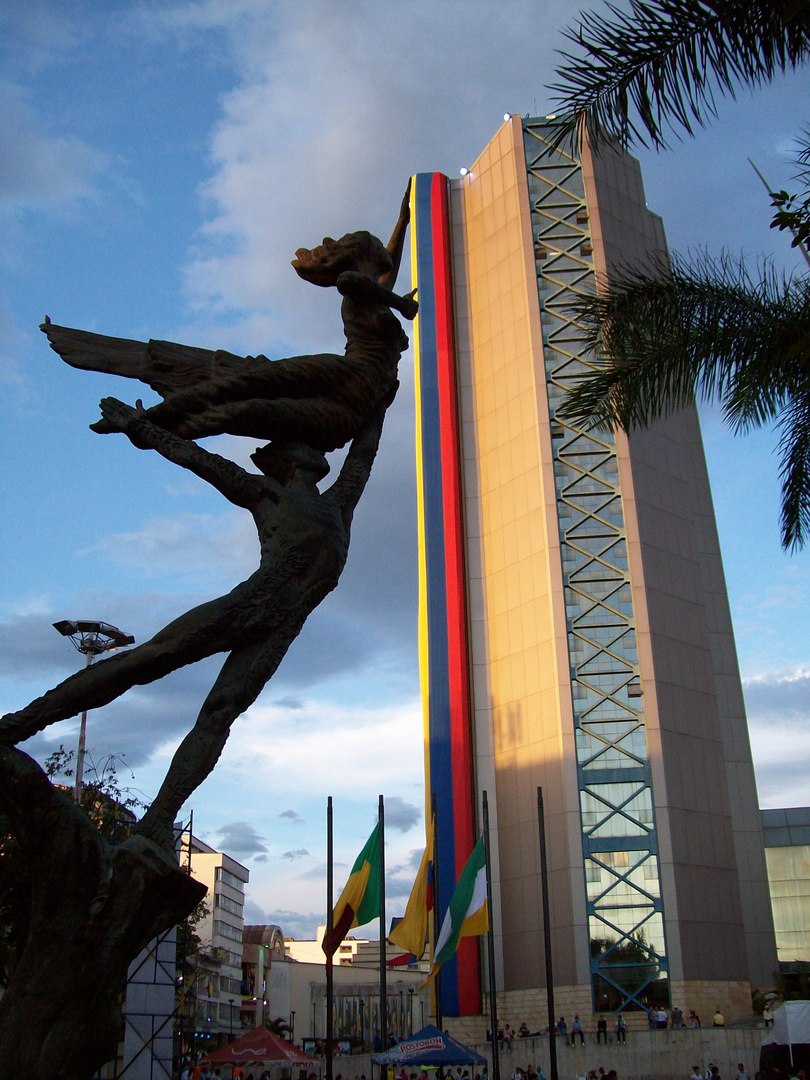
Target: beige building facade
pixel 600 657
pixel 218 990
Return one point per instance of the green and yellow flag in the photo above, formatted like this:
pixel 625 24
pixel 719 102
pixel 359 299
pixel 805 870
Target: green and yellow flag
pixel 468 913
pixel 359 902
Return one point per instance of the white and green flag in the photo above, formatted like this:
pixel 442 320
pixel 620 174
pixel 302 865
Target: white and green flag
pixel 468 913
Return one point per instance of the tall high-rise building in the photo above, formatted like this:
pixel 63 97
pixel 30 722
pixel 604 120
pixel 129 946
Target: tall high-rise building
pixel 219 965
pixel 575 629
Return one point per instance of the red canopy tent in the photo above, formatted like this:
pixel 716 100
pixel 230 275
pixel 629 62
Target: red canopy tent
pixel 258 1047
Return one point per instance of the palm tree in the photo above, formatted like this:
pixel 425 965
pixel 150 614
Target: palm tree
pixel 278 1027
pixel 660 65
pixel 707 328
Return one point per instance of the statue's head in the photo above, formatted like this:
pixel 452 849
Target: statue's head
pixel 279 460
pixel 358 251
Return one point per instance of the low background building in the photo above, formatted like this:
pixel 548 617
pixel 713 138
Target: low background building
pixel 294 981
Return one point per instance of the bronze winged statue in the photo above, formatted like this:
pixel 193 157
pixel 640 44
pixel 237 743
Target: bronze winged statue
pixel 103 899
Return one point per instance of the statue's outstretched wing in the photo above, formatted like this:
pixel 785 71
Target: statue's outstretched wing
pixel 163 365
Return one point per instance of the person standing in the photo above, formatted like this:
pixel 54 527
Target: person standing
pixel 677 1018
pixel 576 1029
pixel 601 1030
pixel 621 1029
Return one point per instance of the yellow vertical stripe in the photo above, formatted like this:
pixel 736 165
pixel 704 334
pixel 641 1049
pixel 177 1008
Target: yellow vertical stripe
pixel 420 515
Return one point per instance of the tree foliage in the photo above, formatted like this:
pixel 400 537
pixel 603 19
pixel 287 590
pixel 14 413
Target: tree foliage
pixel 703 327
pixel 706 328
pixel 279 1027
pixel 658 68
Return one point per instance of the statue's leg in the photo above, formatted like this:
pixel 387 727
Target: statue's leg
pixel 243 677
pixel 316 421
pixel 195 635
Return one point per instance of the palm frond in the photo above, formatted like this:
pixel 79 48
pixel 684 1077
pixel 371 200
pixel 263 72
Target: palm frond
pixel 794 472
pixel 701 329
pixel 802 157
pixel 641 74
pixel 710 330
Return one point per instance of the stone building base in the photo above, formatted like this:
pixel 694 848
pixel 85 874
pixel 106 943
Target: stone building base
pixel 647 1055
pixel 516 1006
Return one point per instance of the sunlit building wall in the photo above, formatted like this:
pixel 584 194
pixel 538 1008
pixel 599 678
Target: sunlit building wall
pixel 575 627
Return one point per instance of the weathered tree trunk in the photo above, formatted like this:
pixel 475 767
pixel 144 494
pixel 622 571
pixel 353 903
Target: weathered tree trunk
pixel 94 907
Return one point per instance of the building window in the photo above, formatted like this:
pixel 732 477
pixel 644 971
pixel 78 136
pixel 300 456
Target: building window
pixel 227 904
pixel 226 930
pixel 227 878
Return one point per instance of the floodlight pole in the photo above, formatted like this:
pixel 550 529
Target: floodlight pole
pixel 77 787
pixel 91 638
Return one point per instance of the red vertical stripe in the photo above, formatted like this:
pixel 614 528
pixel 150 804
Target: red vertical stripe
pixel 467 956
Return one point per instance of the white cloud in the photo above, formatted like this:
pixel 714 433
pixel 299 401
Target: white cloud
pixel 401 815
pixel 778 707
pixel 295 853
pixel 336 107
pixel 187 543
pixel 240 838
pixel 38 168
pixel 346 749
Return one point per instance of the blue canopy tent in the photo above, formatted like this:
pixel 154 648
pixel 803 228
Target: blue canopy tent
pixel 429 1047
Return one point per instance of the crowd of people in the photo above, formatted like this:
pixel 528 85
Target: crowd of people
pixel 190 1071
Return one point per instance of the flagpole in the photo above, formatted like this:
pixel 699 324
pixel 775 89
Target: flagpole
pixel 383 984
pixel 493 1002
pixel 552 1029
pixel 437 987
pixel 329 989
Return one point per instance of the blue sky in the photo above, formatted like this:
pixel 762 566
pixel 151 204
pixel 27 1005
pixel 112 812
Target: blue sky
pixel 159 165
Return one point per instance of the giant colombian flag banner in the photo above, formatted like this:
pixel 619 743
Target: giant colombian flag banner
pixel 443 641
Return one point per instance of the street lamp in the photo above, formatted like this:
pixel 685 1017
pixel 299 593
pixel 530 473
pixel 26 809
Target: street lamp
pixel 230 1015
pixel 92 639
pixel 362 1026
pixel 410 1010
pixel 292 1026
